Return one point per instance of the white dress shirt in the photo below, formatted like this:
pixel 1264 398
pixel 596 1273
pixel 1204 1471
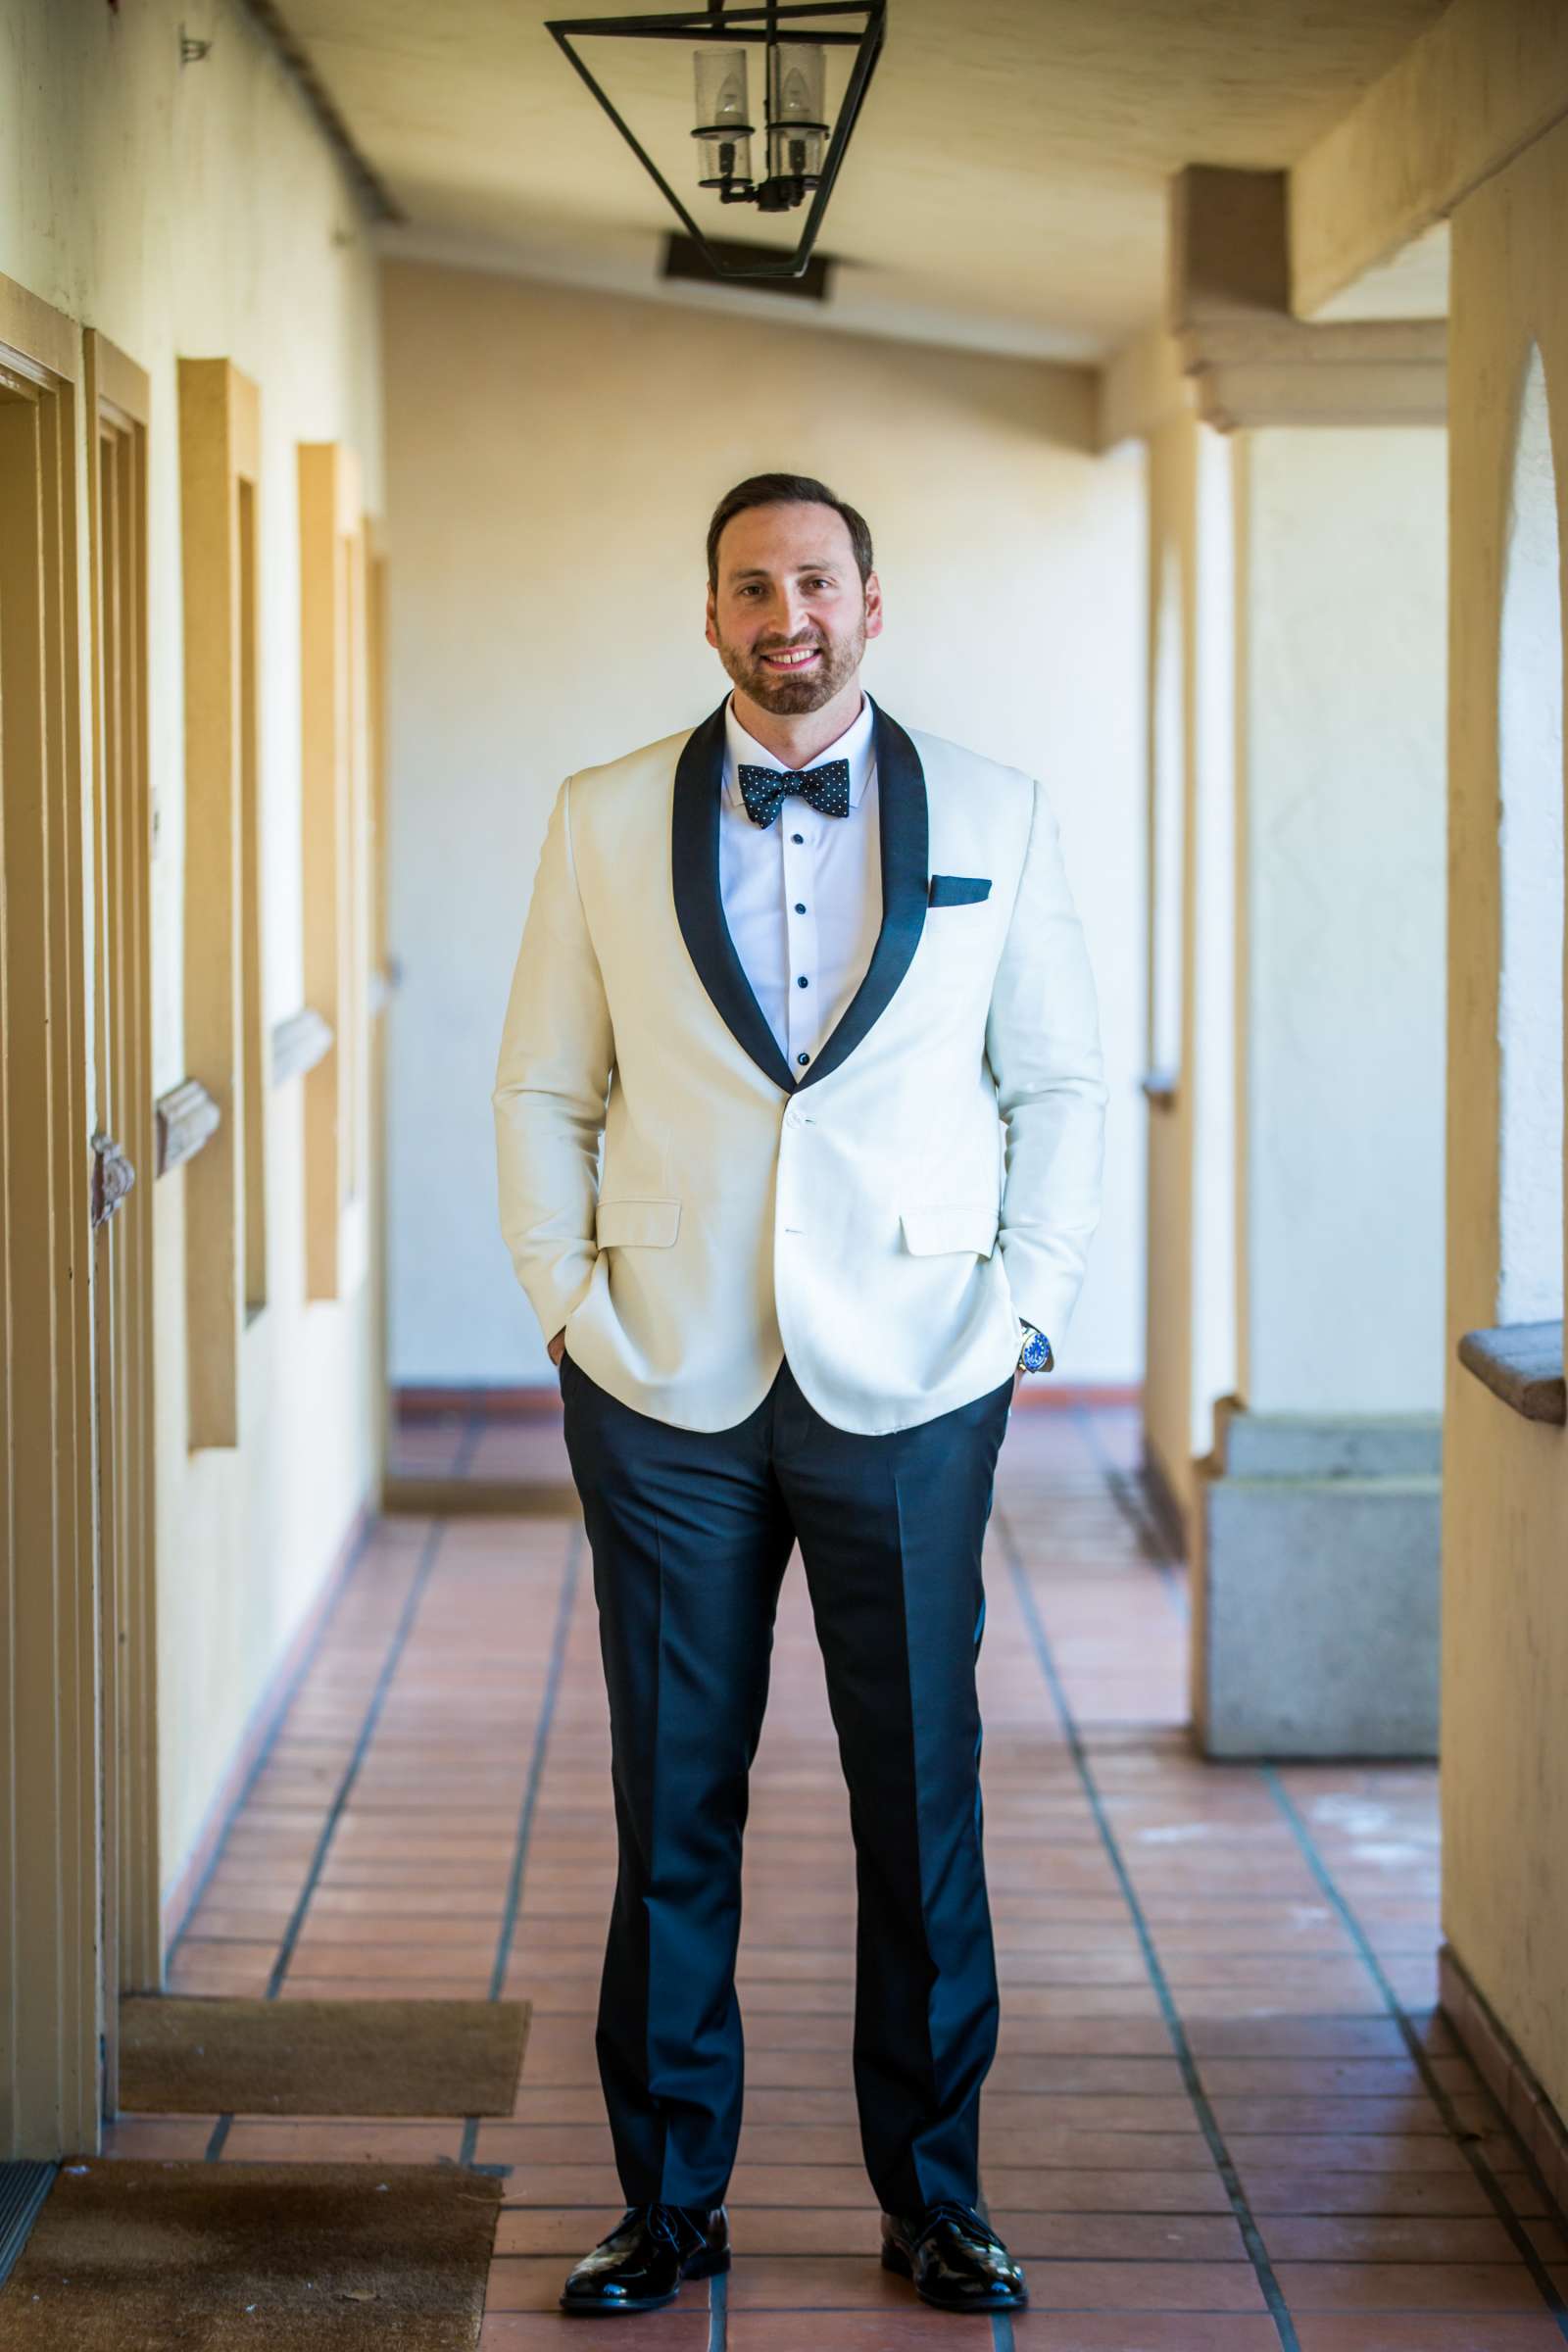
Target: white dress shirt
pixel 803 895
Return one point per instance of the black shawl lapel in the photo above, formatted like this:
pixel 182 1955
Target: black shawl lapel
pixel 905 829
pixel 699 905
pixel 904 833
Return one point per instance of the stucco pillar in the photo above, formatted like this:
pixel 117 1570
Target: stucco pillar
pixel 1317 1517
pixel 1314 1519
pixel 1189 1358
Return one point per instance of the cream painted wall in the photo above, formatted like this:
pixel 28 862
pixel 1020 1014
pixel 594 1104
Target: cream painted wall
pixel 197 211
pixel 553 457
pixel 1506 1487
pixel 1344 583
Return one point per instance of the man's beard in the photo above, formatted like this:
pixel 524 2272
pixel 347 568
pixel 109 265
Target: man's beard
pixel 786 695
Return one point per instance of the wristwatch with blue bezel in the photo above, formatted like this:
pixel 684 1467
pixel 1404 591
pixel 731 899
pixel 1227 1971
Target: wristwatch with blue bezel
pixel 1035 1354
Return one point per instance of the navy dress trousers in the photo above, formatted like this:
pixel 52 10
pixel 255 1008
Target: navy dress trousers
pixel 690 1530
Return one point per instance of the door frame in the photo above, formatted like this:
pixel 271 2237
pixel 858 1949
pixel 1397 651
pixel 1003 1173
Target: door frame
pixel 50 1831
pixel 118 411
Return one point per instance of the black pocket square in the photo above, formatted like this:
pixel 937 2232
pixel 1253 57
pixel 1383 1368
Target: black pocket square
pixel 958 890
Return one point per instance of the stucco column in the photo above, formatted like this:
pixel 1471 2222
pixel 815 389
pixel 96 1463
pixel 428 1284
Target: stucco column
pixel 1316 1525
pixel 1190 1358
pixel 1295 1271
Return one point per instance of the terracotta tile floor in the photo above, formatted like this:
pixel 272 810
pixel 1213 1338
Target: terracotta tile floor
pixel 1224 2116
pixel 463 1441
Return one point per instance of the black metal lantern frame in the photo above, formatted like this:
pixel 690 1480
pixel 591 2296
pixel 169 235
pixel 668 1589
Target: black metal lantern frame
pixel 764 23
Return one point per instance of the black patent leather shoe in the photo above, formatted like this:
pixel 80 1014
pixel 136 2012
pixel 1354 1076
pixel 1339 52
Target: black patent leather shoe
pixel 956 2262
pixel 641 2264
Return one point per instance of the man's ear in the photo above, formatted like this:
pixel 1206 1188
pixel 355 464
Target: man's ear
pixel 711 632
pixel 874 604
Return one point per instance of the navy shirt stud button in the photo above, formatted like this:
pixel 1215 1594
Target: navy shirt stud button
pixel 802 982
pixel 797 836
pixel 803 1057
pixel 800 906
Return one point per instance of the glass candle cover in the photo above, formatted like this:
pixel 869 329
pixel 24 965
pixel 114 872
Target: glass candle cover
pixel 798 131
pixel 723 128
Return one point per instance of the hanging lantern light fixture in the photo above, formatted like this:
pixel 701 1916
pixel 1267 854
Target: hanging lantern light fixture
pixel 802 150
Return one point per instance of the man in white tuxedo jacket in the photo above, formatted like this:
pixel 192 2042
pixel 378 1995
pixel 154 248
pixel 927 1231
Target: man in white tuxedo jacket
pixel 799 1114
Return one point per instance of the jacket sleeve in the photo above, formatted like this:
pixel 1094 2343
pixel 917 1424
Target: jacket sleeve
pixel 552 1080
pixel 1043 1045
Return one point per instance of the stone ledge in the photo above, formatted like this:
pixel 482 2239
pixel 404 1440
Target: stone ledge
pixel 1324 1445
pixel 1505 2073
pixel 1522 1363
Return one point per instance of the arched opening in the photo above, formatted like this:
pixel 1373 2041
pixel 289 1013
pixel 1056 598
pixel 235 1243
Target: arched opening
pixel 1529 693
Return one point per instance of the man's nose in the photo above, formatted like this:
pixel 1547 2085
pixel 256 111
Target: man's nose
pixel 790 613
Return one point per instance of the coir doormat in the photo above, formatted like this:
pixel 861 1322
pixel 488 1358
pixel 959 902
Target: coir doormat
pixel 192 2055
pixel 134 2256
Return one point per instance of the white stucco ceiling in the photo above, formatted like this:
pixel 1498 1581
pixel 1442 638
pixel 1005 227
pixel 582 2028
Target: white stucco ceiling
pixel 1006 187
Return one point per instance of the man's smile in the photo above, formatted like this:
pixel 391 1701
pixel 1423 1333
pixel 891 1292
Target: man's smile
pixel 798 657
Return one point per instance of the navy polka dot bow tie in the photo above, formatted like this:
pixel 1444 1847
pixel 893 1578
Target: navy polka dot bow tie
pixel 764 790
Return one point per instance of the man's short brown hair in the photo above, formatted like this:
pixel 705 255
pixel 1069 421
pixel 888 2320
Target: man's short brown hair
pixel 786 490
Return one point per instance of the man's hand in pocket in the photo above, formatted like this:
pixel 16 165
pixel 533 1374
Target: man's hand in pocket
pixel 558 1347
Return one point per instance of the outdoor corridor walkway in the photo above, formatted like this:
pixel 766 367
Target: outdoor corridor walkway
pixel 1223 2118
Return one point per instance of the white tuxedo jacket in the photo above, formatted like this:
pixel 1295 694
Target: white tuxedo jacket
pixel 883 1218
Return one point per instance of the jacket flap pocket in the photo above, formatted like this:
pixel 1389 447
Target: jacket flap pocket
pixel 927 1232
pixel 637 1224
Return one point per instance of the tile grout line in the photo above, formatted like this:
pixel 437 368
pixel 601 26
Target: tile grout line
pixel 284 1709
pixel 1000 2320
pixel 223 2125
pixel 1135 1510
pixel 474 1429
pixel 1241 2209
pixel 718 2284
pixel 566 1604
pixel 1436 2092
pixel 418 1585
pixel 547 1711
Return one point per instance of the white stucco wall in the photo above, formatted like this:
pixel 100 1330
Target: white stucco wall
pixel 553 459
pixel 1344 688
pixel 197 211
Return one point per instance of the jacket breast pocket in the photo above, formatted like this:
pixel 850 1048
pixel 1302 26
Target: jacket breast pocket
pixel 931 1231
pixel 958 890
pixel 636 1224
